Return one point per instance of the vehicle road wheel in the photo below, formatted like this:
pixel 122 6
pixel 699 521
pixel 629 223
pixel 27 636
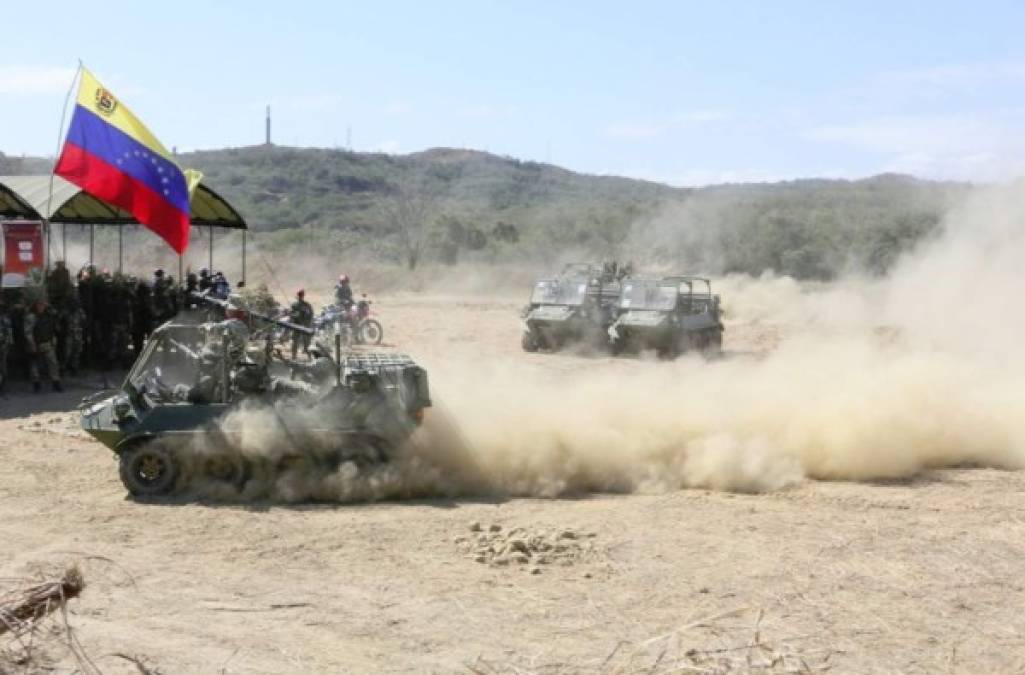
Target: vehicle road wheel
pixel 148 470
pixel 712 346
pixel 528 343
pixel 370 332
pixel 226 468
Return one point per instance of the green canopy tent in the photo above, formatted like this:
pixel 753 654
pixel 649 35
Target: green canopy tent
pixel 30 197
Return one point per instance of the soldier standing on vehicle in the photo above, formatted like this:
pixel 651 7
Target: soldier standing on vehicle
pixel 221 287
pixel 343 292
pixel 40 342
pixel 301 314
pixel 6 341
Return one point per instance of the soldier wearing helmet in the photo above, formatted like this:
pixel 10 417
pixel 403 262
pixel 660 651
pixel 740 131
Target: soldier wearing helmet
pixel 206 282
pixel 301 314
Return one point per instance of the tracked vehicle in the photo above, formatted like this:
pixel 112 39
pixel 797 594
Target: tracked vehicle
pixel 668 315
pixel 181 394
pixel 577 306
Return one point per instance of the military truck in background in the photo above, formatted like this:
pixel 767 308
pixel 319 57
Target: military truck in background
pixel 669 315
pixel 576 306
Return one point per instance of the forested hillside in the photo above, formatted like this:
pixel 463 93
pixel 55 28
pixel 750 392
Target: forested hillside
pixel 445 205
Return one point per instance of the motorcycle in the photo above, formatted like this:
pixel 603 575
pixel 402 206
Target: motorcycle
pixel 355 323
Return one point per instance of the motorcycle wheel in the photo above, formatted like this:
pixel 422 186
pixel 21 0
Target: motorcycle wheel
pixel 371 332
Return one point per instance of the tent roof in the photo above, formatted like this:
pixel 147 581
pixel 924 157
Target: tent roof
pixel 13 206
pixel 71 205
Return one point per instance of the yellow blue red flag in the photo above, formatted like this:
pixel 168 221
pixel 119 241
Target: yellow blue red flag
pixel 110 154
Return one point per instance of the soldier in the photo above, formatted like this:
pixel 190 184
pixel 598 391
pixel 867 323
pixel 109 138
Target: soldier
pixel 120 320
pixel 59 286
pixel 205 281
pixel 161 297
pixel 104 310
pixel 301 314
pixel 232 332
pixel 189 300
pixel 142 316
pixel 40 341
pixel 74 343
pixel 6 342
pixel 343 292
pixel 221 287
pixel 227 339
pixel 173 297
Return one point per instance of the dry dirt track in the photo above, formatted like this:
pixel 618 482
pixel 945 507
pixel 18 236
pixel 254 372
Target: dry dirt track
pixel 916 576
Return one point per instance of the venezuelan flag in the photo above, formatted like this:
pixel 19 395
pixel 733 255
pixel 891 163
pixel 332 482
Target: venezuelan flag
pixel 110 154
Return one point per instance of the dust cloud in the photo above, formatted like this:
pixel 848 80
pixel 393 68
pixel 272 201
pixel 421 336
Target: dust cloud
pixel 873 380
pixel 870 380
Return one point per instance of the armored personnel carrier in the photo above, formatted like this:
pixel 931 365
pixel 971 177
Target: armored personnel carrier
pixel 190 377
pixel 668 315
pixel 578 306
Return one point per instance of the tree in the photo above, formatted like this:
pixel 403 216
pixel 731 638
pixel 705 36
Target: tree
pixel 409 211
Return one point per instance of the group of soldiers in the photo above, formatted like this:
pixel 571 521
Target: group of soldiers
pixel 95 319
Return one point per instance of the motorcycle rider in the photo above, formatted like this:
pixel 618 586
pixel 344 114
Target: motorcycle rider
pixel 301 314
pixel 343 292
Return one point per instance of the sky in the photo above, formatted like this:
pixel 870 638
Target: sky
pixel 687 93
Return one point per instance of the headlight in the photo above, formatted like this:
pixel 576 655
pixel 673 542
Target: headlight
pixel 122 409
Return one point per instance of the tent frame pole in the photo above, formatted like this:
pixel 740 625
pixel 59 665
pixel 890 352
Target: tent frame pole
pixel 243 257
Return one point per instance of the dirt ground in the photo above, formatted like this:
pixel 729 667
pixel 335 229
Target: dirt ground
pixel 918 575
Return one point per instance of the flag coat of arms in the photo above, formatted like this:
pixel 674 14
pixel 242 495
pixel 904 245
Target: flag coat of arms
pixel 110 154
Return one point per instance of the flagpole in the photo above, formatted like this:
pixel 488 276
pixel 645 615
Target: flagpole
pixel 53 168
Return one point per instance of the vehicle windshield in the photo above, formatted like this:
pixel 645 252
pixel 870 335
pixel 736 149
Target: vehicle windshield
pixel 170 358
pixel 648 295
pixel 559 292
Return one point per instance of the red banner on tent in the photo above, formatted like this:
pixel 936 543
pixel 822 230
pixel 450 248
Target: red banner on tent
pixel 23 251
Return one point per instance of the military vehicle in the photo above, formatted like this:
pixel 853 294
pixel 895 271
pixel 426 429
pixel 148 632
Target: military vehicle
pixel 578 305
pixel 187 381
pixel 668 315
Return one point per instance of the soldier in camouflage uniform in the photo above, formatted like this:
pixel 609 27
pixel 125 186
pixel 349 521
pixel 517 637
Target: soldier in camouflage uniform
pixel 301 314
pixel 120 320
pixel 74 341
pixel 6 341
pixel 41 343
pixel 88 300
pixel 60 292
pixel 160 293
pixel 142 315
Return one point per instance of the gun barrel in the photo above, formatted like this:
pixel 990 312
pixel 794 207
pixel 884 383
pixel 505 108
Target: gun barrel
pixel 223 304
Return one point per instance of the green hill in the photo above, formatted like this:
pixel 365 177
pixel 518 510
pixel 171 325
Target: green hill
pixel 446 205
